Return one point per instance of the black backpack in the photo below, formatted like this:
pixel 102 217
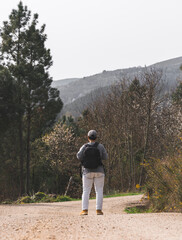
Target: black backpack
pixel 91 156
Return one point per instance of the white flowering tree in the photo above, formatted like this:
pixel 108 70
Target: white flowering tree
pixel 61 154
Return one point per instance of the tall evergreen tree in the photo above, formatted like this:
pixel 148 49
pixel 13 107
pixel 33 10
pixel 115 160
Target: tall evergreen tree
pixel 27 59
pixel 7 103
pixel 12 35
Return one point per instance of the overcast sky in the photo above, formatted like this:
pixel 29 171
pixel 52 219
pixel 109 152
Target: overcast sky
pixel 89 36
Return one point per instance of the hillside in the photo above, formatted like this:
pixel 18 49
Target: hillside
pixel 76 93
pixel 75 108
pixel 79 88
pixel 63 82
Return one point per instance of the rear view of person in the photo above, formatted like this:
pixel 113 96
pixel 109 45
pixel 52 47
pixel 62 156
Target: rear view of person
pixel 91 155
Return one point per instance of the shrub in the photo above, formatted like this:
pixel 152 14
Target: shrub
pixel 137 209
pixel 7 202
pixel 63 198
pixel 26 199
pixel 47 199
pixel 39 196
pixel 164 183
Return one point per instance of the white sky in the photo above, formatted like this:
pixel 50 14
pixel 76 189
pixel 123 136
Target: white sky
pixel 89 36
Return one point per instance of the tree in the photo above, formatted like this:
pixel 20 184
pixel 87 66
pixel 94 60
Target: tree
pixel 177 94
pixel 134 122
pixel 8 146
pixel 25 56
pixel 61 155
pixel 7 101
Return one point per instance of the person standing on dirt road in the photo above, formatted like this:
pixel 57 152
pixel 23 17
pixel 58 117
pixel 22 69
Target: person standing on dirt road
pixel 91 155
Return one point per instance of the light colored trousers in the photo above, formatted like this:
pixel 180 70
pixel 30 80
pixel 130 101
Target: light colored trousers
pixel 88 179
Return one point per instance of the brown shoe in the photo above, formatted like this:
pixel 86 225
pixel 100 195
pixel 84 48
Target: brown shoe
pixel 84 212
pixel 99 212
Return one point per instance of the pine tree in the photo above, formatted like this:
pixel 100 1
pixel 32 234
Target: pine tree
pixel 25 56
pixel 7 101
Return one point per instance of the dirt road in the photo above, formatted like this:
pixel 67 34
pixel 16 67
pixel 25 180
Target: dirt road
pixel 62 221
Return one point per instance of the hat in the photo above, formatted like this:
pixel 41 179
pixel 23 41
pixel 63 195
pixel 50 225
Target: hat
pixel 92 134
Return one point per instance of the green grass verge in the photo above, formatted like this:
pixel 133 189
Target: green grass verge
pixel 123 194
pixel 137 209
pixel 43 198
pixel 120 195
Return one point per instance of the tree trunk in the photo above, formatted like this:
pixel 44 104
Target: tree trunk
pixel 21 115
pixel 21 156
pixel 28 152
pixel 146 136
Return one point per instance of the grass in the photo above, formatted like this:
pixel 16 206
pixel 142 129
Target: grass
pixel 42 198
pixel 122 194
pixel 119 195
pixel 138 209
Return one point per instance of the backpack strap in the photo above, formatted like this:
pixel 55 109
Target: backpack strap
pixel 96 144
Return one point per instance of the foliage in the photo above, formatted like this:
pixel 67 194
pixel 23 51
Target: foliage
pixel 63 198
pixel 26 199
pixel 8 107
pixel 43 197
pixel 7 202
pixel 177 94
pixel 137 209
pixel 70 123
pixel 61 157
pixel 39 196
pixel 122 194
pixel 61 145
pixel 29 104
pixel 131 121
pixel 164 183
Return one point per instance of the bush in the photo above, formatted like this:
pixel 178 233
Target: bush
pixel 164 183
pixel 47 199
pixel 42 197
pixel 26 199
pixel 7 202
pixel 137 209
pixel 39 196
pixel 63 198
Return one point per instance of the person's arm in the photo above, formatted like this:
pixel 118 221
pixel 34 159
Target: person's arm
pixel 80 152
pixel 104 155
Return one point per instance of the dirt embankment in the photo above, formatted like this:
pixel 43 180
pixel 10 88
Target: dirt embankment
pixel 62 221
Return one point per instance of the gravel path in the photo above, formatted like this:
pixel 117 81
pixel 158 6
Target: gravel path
pixel 62 221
